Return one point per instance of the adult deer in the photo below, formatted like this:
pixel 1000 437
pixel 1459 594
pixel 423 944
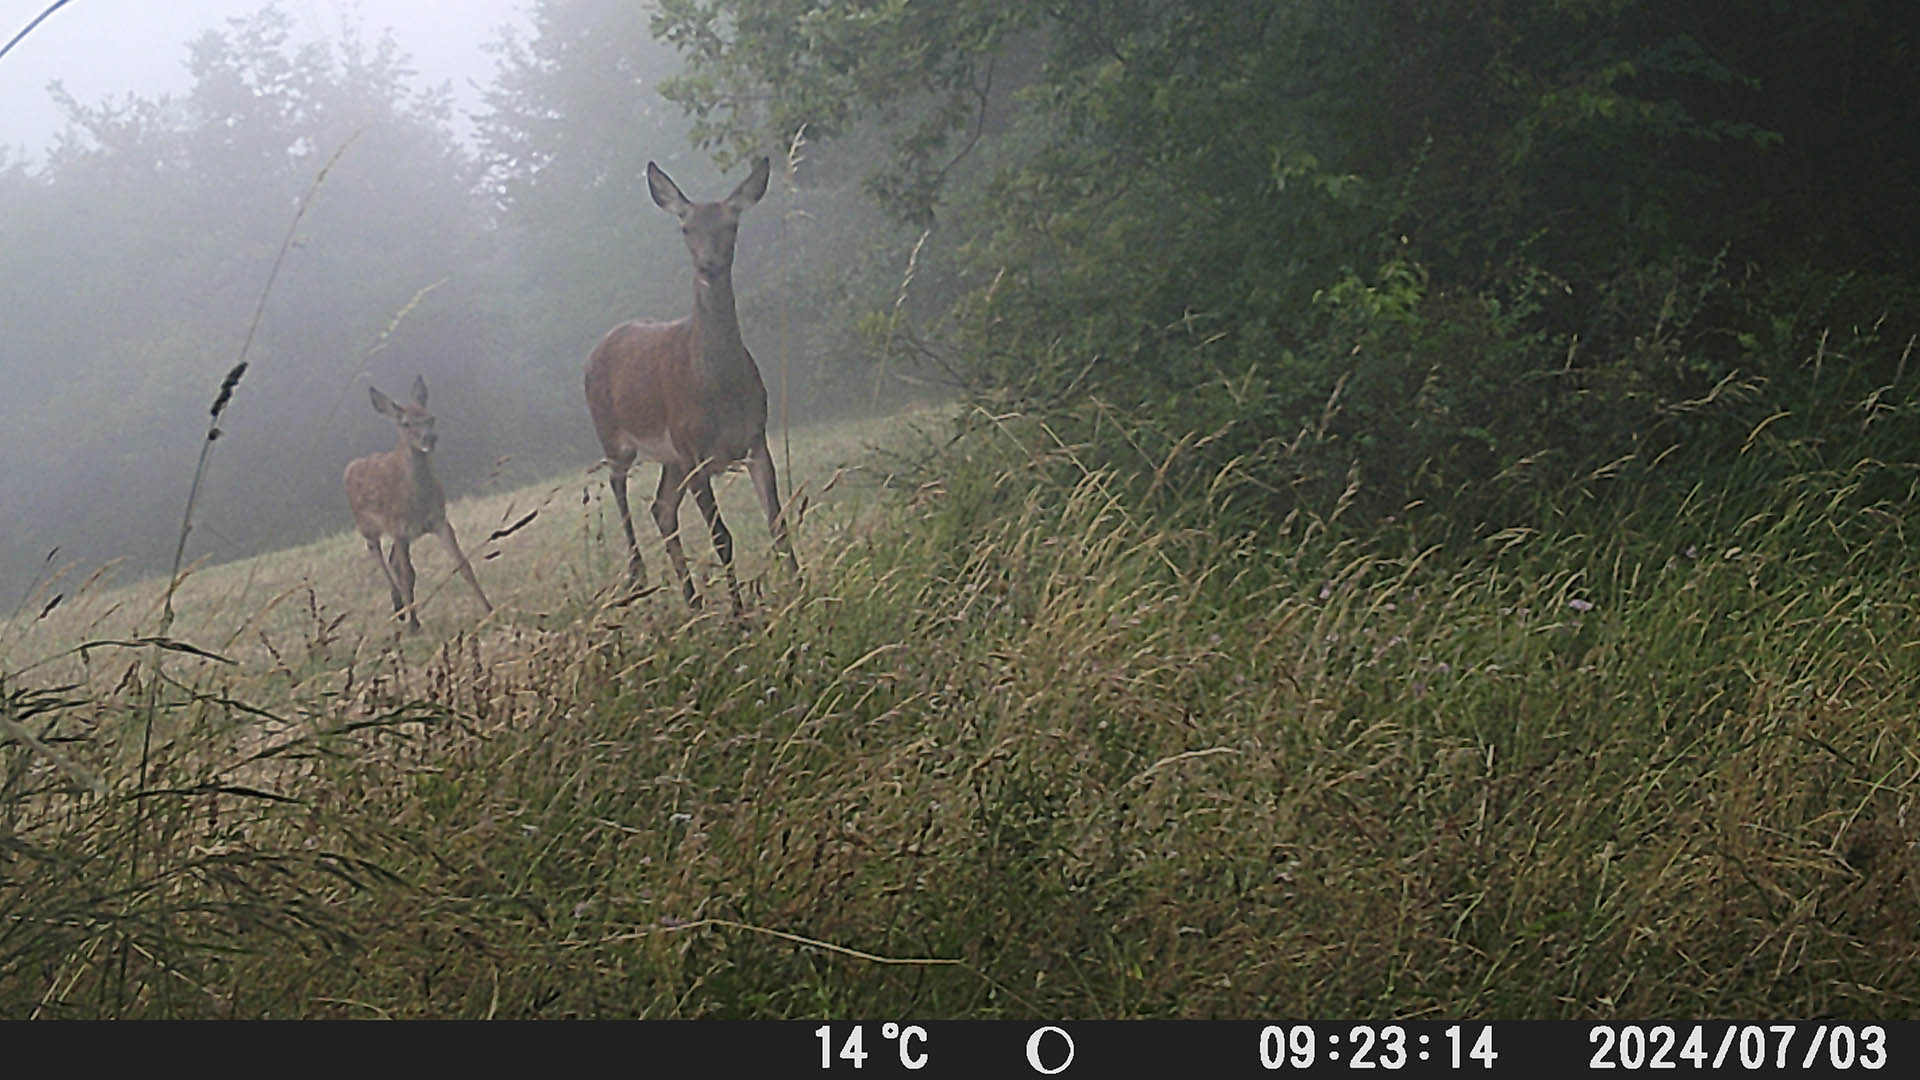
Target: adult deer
pixel 395 494
pixel 686 393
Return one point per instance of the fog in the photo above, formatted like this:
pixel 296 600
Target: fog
pixel 468 211
pixel 100 49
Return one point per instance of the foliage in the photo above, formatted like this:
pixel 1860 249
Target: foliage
pixel 770 69
pixel 572 121
pixel 1471 234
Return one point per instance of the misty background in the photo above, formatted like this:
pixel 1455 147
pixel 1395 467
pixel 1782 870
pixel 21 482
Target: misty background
pixel 99 49
pixel 1462 256
pixel 485 222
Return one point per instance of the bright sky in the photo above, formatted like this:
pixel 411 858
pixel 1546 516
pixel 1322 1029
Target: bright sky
pixel 108 48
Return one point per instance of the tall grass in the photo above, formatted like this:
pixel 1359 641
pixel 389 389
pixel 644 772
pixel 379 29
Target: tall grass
pixel 1014 749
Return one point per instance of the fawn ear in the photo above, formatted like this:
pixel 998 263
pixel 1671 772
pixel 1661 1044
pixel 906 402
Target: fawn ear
pixel 420 390
pixel 382 404
pixel 751 189
pixel 666 193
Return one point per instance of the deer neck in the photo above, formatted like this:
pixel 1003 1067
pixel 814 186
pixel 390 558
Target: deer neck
pixel 718 351
pixel 418 467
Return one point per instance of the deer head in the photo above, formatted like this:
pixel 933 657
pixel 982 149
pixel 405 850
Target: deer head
pixel 413 421
pixel 708 228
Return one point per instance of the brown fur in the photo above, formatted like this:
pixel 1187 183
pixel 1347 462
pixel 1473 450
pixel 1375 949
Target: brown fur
pixel 395 494
pixel 687 393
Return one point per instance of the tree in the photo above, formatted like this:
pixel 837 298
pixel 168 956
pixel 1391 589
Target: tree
pixel 148 237
pixel 1217 216
pixel 573 119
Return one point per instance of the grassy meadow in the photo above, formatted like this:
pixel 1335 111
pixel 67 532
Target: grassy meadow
pixel 1012 747
pixel 1423 526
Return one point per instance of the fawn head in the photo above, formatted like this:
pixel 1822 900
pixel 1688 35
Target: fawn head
pixel 414 422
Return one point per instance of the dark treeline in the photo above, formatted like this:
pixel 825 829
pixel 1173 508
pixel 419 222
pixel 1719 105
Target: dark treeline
pixel 1469 253
pixel 137 253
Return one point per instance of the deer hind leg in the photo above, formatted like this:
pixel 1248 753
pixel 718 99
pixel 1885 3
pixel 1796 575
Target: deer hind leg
pixel 617 479
pixel 666 514
pixel 386 571
pixel 445 533
pixel 760 471
pixel 404 577
pixel 722 539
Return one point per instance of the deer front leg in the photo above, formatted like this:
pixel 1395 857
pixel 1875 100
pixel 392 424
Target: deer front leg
pixel 617 479
pixel 403 573
pixel 386 571
pixel 722 539
pixel 760 471
pixel 445 533
pixel 666 514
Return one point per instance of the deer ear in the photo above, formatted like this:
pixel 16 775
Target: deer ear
pixel 420 390
pixel 752 189
pixel 666 194
pixel 382 404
